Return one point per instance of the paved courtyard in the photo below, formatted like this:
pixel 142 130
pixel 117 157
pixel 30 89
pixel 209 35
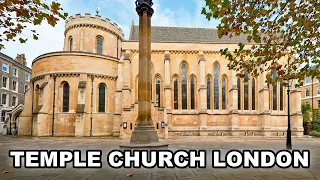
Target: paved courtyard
pixel 213 143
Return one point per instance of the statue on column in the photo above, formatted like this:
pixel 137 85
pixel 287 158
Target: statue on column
pixel 139 2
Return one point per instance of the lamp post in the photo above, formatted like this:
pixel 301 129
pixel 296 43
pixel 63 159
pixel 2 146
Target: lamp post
pixel 289 143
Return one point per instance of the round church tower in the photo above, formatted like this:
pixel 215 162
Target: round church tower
pixel 93 35
pixel 73 91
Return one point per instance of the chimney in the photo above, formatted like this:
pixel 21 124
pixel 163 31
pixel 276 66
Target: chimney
pixel 21 59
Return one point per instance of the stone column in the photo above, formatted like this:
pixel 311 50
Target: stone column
pixel 233 108
pixel 202 96
pixel 167 92
pixel 117 126
pixel 296 114
pixel 264 106
pixel 144 136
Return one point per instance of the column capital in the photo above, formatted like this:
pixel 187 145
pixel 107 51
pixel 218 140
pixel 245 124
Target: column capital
pixel 167 56
pixel 126 56
pixel 201 58
pixel 144 6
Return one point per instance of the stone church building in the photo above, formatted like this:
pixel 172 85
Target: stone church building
pixel 90 88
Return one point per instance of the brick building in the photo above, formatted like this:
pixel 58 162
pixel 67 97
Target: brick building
pixel 15 81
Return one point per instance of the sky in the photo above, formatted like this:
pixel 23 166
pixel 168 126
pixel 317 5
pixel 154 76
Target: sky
pixel 182 13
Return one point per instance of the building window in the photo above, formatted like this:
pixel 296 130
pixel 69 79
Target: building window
pixel 307 92
pixel 253 103
pixel 307 80
pixel 246 91
pixel 192 102
pixel 5 82
pixel 14 101
pixel 216 86
pixel 5 67
pixel 184 86
pixel 3 116
pixel 158 94
pixel 208 93
pixel 15 72
pixel 14 86
pixel 99 45
pixel 318 90
pixel 175 93
pixel 65 99
pixel 102 98
pixel 4 99
pixel 224 93
pixel 274 91
pixel 281 96
pixel 239 94
pixel 318 103
pixel 71 44
pixel 27 77
pixel 26 88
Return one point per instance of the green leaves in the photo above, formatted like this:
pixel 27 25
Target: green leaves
pixel 285 36
pixel 15 13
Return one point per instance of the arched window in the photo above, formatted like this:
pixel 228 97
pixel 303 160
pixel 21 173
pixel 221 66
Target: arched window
pixel 158 92
pixel 281 96
pixel 65 99
pixel 274 91
pixel 208 93
pixel 99 45
pixel 246 90
pixel 184 86
pixel 175 93
pixel 216 86
pixel 70 43
pixel 102 98
pixel 192 93
pixel 224 93
pixel 253 94
pixel 239 94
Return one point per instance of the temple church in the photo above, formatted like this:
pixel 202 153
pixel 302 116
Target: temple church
pixel 91 87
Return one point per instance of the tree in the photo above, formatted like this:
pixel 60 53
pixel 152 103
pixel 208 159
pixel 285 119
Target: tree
pixel 274 29
pixel 16 15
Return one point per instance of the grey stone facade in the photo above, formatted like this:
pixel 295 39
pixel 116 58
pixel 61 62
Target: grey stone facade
pixel 21 82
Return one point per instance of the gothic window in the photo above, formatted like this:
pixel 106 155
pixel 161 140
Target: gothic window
pixel 239 93
pixel 65 100
pixel 216 86
pixel 281 96
pixel 208 93
pixel 253 94
pixel 70 43
pixel 158 92
pixel 184 86
pixel 102 98
pixel 175 96
pixel 99 45
pixel 224 93
pixel 246 90
pixel 274 91
pixel 192 93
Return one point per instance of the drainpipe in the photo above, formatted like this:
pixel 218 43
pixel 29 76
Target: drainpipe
pixel 92 78
pixel 54 102
pixel 32 108
pixel 10 125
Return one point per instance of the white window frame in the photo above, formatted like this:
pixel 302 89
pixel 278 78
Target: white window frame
pixel 3 118
pixel 26 89
pixel 15 90
pixel 6 104
pixel 17 74
pixel 318 89
pixel 28 80
pixel 307 92
pixel 7 83
pixel 3 63
pixel 15 102
pixel 308 79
